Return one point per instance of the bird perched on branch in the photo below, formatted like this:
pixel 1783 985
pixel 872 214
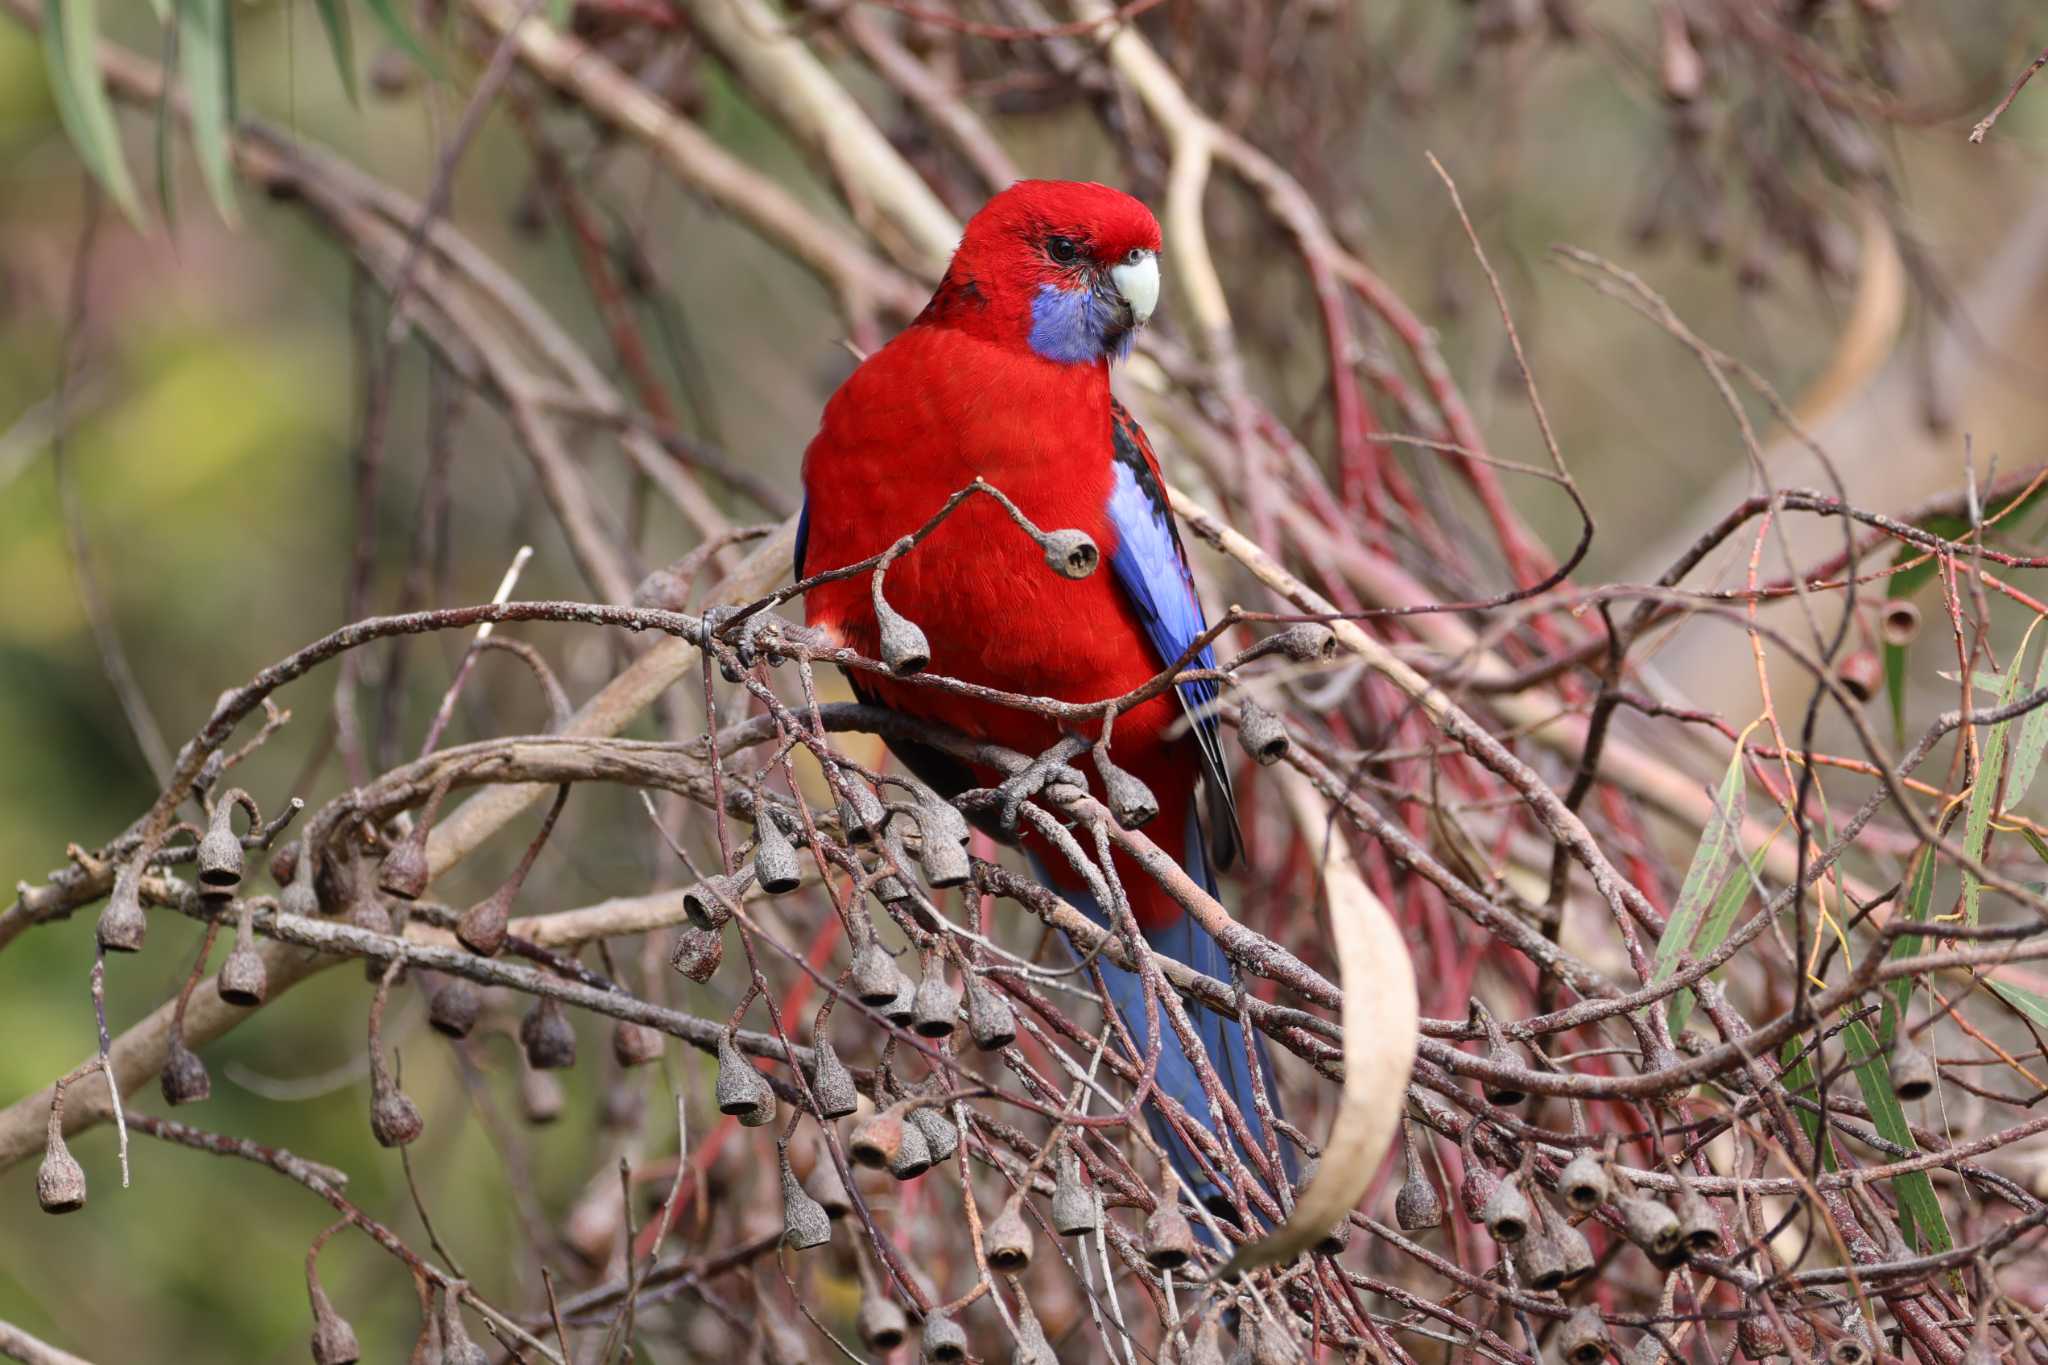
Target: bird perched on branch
pixel 1004 377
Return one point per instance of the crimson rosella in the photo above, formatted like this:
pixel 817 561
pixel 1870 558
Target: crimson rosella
pixel 1005 376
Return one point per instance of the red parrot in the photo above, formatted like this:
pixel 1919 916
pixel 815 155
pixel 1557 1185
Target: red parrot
pixel 1005 376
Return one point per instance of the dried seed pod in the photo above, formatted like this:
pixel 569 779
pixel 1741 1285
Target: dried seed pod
pixel 709 903
pixel 1861 674
pixel 1008 1239
pixel 880 1322
pixel 805 1224
pixel 1583 1338
pixel 936 1004
pixel 1651 1225
pixel 60 1180
pixel 741 1088
pixel 1539 1260
pixel 876 1139
pixel 1898 622
pixel 860 812
pixel 913 1155
pixel 1131 802
pixel 220 853
pixel 623 1106
pixel 782 1341
pixel 540 1096
pixel 825 1186
pixel 636 1044
pixel 1506 1212
pixel 456 1346
pixel 1262 734
pixel 877 980
pixel 889 888
pixel 1169 1238
pixel 1506 1094
pixel 698 954
pixel 243 979
pixel 903 1009
pixel 944 1340
pixel 905 650
pixel 1853 1347
pixel 484 926
pixel 394 1118
pixel 1584 1183
pixel 1416 1207
pixel 942 845
pixel 1032 1348
pixel 1698 1226
pixel 1070 552
pixel 1307 642
pixel 1578 1252
pixel 454 1007
pixel 940 1136
pixel 775 862
pixel 184 1080
pixel 1912 1070
pixel 299 896
pixel 990 1020
pixel 548 1036
pixel 334 1341
pixel 831 1083
pixel 123 924
pixel 1075 1212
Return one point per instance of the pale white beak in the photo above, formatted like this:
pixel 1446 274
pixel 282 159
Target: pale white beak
pixel 1138 282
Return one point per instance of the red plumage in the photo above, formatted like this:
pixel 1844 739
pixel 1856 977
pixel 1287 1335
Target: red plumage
pixel 963 393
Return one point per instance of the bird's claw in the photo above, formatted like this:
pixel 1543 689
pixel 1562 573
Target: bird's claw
pixel 1047 769
pixel 760 638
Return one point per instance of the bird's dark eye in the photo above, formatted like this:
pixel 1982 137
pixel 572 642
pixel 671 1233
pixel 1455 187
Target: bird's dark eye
pixel 1134 255
pixel 1062 249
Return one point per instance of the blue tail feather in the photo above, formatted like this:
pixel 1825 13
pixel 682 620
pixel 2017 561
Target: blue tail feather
pixel 1222 1037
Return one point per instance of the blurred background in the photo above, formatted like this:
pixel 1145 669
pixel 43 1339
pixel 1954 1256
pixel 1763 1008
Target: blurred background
pixel 1888 278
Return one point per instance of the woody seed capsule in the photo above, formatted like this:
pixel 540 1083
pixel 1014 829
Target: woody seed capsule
pixel 243 979
pixel 940 1136
pixel 698 954
pixel 1912 1070
pixel 456 1346
pixel 1306 642
pixel 831 1083
pixel 877 980
pixel 905 650
pixel 1070 553
pixel 990 1020
pixel 394 1118
pixel 334 1341
pixel 860 813
pixel 1131 802
pixel 184 1080
pixel 1074 1210
pixel 881 1321
pixel 548 1036
pixel 805 1223
pixel 944 1340
pixel 1261 733
pixel 1578 1252
pixel 1583 1340
pixel 827 1188
pixel 1584 1183
pixel 903 1008
pixel 454 1007
pixel 1651 1225
pixel 935 1005
pixel 913 1156
pixel 636 1044
pixel 741 1088
pixel 1169 1238
pixel 775 861
pixel 220 855
pixel 877 1139
pixel 1008 1240
pixel 60 1180
pixel 1698 1225
pixel 1417 1207
pixel 1506 1212
pixel 1539 1260
pixel 122 924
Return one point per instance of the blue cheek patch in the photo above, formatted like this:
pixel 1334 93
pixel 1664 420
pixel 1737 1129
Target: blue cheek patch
pixel 1063 325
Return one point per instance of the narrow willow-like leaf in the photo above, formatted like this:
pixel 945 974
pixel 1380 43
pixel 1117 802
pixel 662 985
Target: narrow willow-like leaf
pixel 2023 1000
pixel 1920 1217
pixel 2032 740
pixel 1919 894
pixel 1984 793
pixel 341 44
pixel 71 46
pixel 206 46
pixel 1719 842
pixel 1714 928
pixel 1797 1076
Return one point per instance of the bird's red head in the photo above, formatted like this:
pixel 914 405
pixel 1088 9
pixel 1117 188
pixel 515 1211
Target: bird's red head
pixel 1067 268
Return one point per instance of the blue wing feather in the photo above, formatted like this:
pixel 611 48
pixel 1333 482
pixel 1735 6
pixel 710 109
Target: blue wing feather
pixel 1152 569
